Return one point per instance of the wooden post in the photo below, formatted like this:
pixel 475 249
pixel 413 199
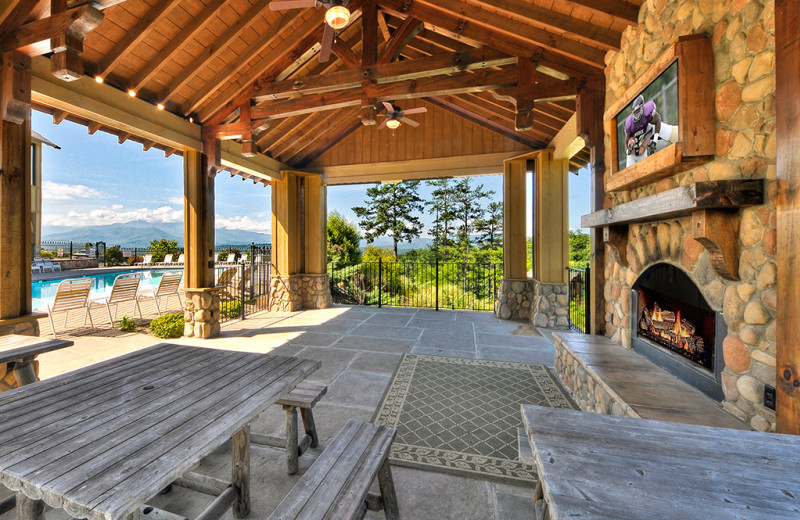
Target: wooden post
pixel 15 185
pixel 315 219
pixel 590 126
pixel 28 508
pixel 198 220
pixel 551 219
pixel 787 84
pixel 514 221
pixel 241 471
pixel 286 225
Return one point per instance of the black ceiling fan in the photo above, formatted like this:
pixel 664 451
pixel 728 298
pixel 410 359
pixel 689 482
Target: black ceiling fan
pixel 394 115
pixel 337 17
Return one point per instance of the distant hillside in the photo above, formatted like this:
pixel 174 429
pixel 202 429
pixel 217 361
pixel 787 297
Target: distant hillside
pixel 140 234
pixel 402 247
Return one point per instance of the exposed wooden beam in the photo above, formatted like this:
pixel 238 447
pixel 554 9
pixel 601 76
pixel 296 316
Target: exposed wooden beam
pixel 346 128
pixel 14 12
pixel 556 22
pixel 147 144
pixel 619 9
pixel 176 42
pixel 457 27
pixel 122 137
pixel 545 127
pixel 567 143
pixel 457 83
pixel 485 122
pixel 383 27
pixel 345 53
pixel 78 21
pixel 307 135
pixel 384 73
pixel 400 38
pixel 369 33
pixel 133 37
pixel 93 127
pixel 58 116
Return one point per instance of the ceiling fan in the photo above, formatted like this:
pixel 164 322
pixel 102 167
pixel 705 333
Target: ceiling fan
pixel 336 18
pixel 394 114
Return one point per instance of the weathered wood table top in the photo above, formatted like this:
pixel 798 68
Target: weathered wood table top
pixel 598 466
pixel 14 347
pixel 100 441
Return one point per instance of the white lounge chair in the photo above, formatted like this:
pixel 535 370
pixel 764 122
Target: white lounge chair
pixel 71 294
pixel 180 260
pixel 168 286
pixel 125 289
pixel 167 260
pixel 230 260
pixel 38 263
pixel 216 258
pixel 52 266
pixel 146 260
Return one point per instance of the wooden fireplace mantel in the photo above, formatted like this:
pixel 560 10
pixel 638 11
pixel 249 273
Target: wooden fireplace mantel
pixel 710 204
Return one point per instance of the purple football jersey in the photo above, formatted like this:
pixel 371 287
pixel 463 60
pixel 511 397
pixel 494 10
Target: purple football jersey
pixel 632 128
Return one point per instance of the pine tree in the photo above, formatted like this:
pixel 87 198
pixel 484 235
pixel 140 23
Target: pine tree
pixel 441 205
pixel 391 209
pixel 490 226
pixel 468 210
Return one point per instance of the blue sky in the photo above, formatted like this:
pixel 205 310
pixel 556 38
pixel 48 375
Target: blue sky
pixel 93 180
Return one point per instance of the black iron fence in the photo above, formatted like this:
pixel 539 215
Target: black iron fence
pixel 72 249
pixel 245 286
pixel 578 291
pixel 440 285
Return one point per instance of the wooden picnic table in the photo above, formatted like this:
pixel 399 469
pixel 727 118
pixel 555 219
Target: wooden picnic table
pixel 598 467
pixel 23 349
pixel 100 441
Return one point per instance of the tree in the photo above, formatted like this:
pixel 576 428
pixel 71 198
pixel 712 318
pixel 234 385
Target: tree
pixel 114 255
pixel 343 240
pixel 391 209
pixel 490 226
pixel 441 205
pixel 579 249
pixel 468 209
pixel 159 248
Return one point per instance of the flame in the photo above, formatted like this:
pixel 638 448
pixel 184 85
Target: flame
pixel 678 332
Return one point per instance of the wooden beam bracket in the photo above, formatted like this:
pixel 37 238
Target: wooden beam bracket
pixel 616 237
pixel 718 232
pixel 15 91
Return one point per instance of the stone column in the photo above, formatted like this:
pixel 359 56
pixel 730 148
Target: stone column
pixel 551 241
pixel 202 298
pixel 514 294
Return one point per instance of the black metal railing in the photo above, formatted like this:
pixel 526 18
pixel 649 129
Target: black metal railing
pixel 245 285
pixel 578 291
pixel 439 285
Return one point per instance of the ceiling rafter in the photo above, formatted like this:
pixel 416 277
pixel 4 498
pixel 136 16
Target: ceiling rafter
pixel 541 118
pixel 155 64
pixel 14 12
pixel 133 37
pixel 308 133
pixel 619 9
pixel 332 138
pixel 400 38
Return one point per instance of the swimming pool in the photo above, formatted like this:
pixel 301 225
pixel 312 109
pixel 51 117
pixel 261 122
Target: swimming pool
pixel 44 291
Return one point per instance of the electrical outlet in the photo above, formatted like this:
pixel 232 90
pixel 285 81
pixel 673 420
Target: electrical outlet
pixel 769 397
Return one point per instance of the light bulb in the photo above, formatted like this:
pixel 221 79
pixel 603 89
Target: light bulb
pixel 132 93
pixel 98 79
pixel 393 124
pixel 337 16
pixel 160 106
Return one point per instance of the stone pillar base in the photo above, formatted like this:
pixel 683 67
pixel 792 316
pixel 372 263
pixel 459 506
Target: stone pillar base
pixel 202 312
pixel 27 325
pixel 550 305
pixel 514 299
pixel 299 291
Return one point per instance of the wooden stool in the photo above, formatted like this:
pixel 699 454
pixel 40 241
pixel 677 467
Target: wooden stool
pixel 336 486
pixel 304 396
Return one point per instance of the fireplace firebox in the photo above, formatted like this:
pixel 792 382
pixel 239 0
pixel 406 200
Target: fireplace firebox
pixel 676 328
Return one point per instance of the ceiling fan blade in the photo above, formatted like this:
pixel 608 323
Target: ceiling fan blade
pixel 419 110
pixel 383 124
pixel 291 4
pixel 410 122
pixel 327 42
pixel 388 106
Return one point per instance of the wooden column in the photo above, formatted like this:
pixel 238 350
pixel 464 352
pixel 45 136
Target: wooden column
pixel 316 224
pixel 514 220
pixel 551 219
pixel 787 85
pixel 15 185
pixel 198 182
pixel 286 225
pixel 589 116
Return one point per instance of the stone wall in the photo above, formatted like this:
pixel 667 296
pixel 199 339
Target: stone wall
pixel 302 291
pixel 743 39
pixel 201 315
pixel 76 263
pixel 550 305
pixel 514 299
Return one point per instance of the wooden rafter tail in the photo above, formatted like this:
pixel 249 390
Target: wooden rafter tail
pixel 504 116
pixel 619 9
pixel 93 127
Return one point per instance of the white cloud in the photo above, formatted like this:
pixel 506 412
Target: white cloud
pixel 260 225
pixel 57 191
pixel 113 215
pixel 175 200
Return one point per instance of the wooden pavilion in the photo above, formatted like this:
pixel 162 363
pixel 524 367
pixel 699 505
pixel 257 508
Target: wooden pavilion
pixel 510 86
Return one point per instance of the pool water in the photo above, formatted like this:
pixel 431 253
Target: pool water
pixel 44 291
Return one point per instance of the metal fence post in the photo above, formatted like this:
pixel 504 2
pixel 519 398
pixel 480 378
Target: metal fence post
pixel 242 284
pixel 70 249
pixel 380 281
pixel 437 283
pixel 587 308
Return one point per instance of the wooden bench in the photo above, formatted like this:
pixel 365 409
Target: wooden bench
pixel 304 396
pixel 336 486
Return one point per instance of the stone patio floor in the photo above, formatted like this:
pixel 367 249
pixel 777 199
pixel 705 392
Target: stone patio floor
pixel 359 348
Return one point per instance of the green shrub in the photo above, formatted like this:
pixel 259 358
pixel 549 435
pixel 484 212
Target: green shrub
pixel 47 254
pixel 126 324
pixel 231 308
pixel 168 326
pixel 114 256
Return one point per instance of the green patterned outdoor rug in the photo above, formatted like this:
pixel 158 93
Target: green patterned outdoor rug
pixel 460 416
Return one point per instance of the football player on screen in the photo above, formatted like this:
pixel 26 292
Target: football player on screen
pixel 645 132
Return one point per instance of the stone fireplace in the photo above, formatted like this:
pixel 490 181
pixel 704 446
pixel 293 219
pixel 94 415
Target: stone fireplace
pixel 677 329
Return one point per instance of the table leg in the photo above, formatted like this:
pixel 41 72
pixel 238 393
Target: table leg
pixel 29 509
pixel 24 373
pixel 241 471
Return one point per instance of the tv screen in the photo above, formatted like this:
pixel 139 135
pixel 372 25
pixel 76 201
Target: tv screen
pixel 650 122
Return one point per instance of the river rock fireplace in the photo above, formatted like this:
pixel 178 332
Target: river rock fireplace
pixel 677 329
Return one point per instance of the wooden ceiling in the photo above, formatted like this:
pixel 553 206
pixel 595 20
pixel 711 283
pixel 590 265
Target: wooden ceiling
pixel 222 62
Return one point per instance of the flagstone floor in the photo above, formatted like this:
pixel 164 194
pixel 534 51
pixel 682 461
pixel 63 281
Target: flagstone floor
pixel 359 348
